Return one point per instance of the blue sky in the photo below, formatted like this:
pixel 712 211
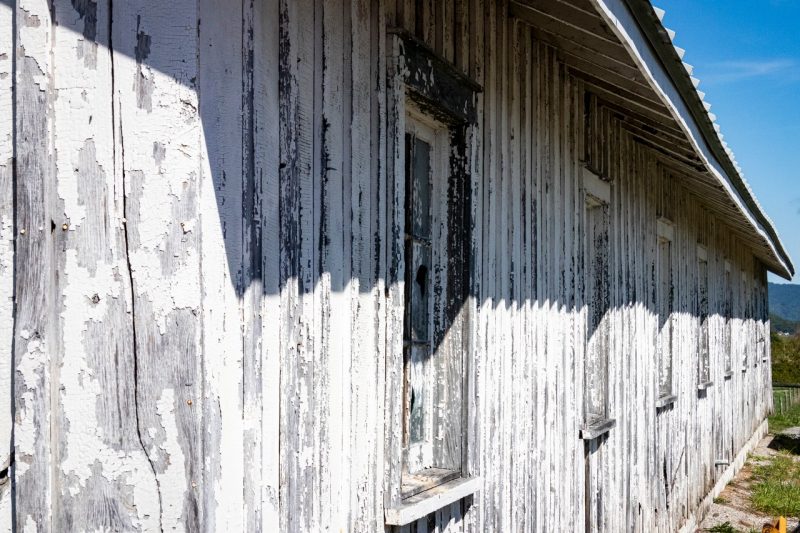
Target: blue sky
pixel 746 54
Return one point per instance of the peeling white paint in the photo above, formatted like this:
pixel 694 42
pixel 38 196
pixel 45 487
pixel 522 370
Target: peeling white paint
pixel 305 442
pixel 6 253
pixel 85 445
pixel 6 507
pixel 166 292
pixel 174 475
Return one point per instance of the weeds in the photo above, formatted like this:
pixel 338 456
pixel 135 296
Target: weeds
pixel 725 527
pixel 776 490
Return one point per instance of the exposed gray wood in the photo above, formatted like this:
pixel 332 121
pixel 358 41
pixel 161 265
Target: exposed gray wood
pixel 36 347
pixel 266 50
pixel 158 127
pixel 7 76
pixel 105 480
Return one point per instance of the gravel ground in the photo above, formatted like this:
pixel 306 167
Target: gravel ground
pixel 734 502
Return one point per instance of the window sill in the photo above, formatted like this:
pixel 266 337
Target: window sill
pixel 413 484
pixel 665 401
pixel 431 500
pixel 705 386
pixel 592 431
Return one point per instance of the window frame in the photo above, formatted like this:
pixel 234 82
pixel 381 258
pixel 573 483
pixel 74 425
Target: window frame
pixel 419 456
pixel 728 320
pixel 665 236
pixel 416 76
pixel 704 380
pixel 744 295
pixel 597 203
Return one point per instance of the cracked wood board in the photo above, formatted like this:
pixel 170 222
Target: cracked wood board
pixel 6 257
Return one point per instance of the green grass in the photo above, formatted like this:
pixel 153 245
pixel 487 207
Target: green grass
pixel 726 527
pixel 789 418
pixel 776 490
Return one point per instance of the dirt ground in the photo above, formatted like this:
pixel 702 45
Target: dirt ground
pixel 733 504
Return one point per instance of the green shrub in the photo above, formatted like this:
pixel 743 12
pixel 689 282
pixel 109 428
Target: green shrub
pixel 785 358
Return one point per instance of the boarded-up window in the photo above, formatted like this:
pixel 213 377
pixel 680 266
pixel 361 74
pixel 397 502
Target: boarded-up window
pixel 704 366
pixel 761 316
pixel 745 329
pixel 727 319
pixel 664 303
pixel 597 301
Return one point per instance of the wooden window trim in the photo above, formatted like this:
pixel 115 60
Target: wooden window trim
pixel 666 400
pixel 597 429
pixel 704 344
pixel 665 234
pixel 597 195
pixel 428 502
pixel 728 326
pixel 417 77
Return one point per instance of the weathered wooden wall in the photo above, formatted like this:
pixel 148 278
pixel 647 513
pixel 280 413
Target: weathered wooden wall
pixel 202 258
pixel 6 257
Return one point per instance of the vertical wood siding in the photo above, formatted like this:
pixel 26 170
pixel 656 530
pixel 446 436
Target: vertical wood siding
pixel 6 257
pixel 206 274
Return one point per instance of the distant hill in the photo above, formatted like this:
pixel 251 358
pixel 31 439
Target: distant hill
pixel 781 325
pixel 784 301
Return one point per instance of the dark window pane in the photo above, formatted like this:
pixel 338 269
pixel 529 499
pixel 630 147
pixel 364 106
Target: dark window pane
pixel 419 280
pixel 705 370
pixel 419 188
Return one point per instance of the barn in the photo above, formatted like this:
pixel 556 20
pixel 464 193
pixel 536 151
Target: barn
pixel 370 265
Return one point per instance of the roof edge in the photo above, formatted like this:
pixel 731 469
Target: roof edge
pixel 639 28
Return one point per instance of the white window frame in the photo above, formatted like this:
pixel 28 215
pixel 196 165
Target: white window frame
pixel 417 77
pixel 419 456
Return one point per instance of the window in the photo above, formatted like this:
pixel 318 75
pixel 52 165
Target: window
pixel 597 302
pixel 745 327
pixel 762 314
pixel 426 459
pixel 664 306
pixel 431 106
pixel 727 319
pixel 704 366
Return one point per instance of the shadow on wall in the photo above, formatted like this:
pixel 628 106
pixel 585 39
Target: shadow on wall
pixel 292 212
pixel 297 213
pixel 236 128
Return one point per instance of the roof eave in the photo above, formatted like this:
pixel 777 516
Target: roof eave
pixel 638 26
